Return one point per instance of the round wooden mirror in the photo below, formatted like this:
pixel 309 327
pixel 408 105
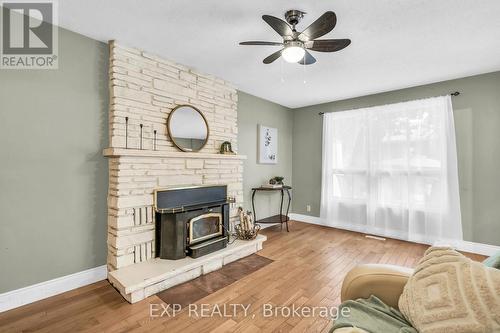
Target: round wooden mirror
pixel 188 128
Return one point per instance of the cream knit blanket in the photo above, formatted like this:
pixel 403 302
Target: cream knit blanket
pixel 449 293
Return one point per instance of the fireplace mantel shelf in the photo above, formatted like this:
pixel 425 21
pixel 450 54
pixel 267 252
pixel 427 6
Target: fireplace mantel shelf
pixel 118 152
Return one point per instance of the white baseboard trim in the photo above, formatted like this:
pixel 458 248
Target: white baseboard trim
pixel 466 246
pixel 15 298
pixel 480 248
pixel 307 219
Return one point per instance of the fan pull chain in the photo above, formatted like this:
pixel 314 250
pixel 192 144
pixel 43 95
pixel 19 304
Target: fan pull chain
pixel 282 71
pixel 304 70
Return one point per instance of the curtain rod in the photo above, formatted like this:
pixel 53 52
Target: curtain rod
pixel 453 94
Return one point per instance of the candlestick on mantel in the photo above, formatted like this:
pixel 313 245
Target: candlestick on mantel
pixel 141 137
pixel 126 132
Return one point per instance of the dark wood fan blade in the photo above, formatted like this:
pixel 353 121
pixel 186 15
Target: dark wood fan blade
pixel 278 25
pixel 261 43
pixel 323 25
pixel 308 59
pixel 328 45
pixel 272 57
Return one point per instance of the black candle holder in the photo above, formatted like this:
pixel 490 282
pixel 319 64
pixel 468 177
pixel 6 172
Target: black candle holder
pixel 126 132
pixel 141 136
pixel 154 140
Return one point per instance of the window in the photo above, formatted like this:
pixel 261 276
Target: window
pixel 392 170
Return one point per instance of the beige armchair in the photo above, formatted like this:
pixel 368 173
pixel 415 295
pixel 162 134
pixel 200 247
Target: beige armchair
pixel 384 281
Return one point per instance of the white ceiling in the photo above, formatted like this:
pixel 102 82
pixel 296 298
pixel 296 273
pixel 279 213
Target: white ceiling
pixel 395 43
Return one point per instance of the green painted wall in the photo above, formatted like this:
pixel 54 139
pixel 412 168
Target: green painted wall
pixel 53 177
pixel 251 112
pixel 477 124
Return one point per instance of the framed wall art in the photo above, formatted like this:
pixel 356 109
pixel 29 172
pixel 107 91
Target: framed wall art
pixel 267 145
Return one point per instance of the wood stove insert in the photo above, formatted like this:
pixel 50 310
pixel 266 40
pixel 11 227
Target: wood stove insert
pixel 191 221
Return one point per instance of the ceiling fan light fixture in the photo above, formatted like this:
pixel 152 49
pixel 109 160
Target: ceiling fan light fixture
pixel 296 45
pixel 293 52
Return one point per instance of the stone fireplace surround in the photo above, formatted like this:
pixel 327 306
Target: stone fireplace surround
pixel 145 88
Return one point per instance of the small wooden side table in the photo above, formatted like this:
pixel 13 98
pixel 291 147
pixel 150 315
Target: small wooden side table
pixel 276 218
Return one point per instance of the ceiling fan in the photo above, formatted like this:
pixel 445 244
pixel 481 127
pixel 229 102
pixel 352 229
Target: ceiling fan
pixel 296 44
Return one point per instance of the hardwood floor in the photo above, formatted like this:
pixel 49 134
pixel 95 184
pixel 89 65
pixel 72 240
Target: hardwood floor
pixel 309 265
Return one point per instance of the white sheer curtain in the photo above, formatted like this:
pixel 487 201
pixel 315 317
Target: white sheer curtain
pixel 392 170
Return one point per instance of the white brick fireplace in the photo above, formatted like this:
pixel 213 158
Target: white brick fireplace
pixel 145 88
